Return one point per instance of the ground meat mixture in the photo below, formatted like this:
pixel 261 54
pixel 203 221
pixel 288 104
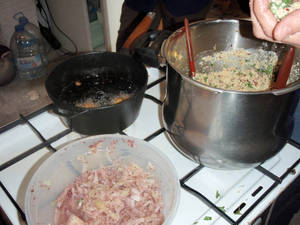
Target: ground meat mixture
pixel 237 69
pixel 280 8
pixel 119 194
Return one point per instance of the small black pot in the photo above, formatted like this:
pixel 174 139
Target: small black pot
pixel 103 119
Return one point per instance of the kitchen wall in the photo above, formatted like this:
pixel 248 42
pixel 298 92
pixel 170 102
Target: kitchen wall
pixel 78 27
pixel 111 12
pixel 8 8
pixel 71 16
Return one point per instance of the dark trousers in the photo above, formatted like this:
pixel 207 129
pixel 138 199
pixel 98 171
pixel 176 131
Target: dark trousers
pixel 130 19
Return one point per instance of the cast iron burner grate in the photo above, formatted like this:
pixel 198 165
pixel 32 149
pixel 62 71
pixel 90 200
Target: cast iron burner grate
pixel 47 143
pixel 276 181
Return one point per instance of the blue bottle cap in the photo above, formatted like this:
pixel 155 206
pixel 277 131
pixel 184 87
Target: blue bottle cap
pixel 19 27
pixel 23 20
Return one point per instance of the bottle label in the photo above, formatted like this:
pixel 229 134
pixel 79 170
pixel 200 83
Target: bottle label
pixel 29 62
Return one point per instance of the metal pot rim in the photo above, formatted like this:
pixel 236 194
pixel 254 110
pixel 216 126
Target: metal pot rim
pixel 286 90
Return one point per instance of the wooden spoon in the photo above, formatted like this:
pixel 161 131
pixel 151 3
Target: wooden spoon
pixel 189 47
pixel 285 69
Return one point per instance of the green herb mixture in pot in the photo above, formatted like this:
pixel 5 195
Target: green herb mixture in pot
pixel 280 8
pixel 237 69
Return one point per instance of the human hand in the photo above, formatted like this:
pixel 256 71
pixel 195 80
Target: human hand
pixel 265 25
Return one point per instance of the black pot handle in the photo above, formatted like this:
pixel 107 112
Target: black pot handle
pixel 147 48
pixel 68 115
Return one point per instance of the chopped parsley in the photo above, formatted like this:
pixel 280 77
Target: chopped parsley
pixel 237 212
pixel 288 2
pixel 249 84
pixel 217 194
pixel 277 6
pixel 222 208
pixel 269 70
pixel 79 203
pixel 208 218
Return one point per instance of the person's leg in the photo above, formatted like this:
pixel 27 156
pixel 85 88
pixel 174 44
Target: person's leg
pixel 172 23
pixel 129 19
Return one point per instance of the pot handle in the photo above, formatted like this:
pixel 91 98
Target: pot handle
pixel 163 60
pixel 5 54
pixel 146 48
pixel 68 115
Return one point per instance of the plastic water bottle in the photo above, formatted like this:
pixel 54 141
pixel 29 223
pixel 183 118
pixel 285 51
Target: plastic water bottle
pixel 33 29
pixel 29 56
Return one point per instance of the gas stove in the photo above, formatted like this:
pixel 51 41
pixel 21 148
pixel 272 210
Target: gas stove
pixel 208 196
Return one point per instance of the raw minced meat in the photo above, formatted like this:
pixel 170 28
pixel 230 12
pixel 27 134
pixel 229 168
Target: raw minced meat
pixel 281 8
pixel 114 195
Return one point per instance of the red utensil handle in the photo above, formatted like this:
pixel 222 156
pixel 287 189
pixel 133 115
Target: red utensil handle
pixel 285 69
pixel 189 47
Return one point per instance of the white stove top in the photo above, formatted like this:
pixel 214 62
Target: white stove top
pixel 228 190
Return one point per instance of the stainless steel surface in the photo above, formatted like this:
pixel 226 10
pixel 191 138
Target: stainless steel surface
pixel 218 128
pixel 7 69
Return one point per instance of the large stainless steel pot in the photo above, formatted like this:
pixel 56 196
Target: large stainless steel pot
pixel 218 128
